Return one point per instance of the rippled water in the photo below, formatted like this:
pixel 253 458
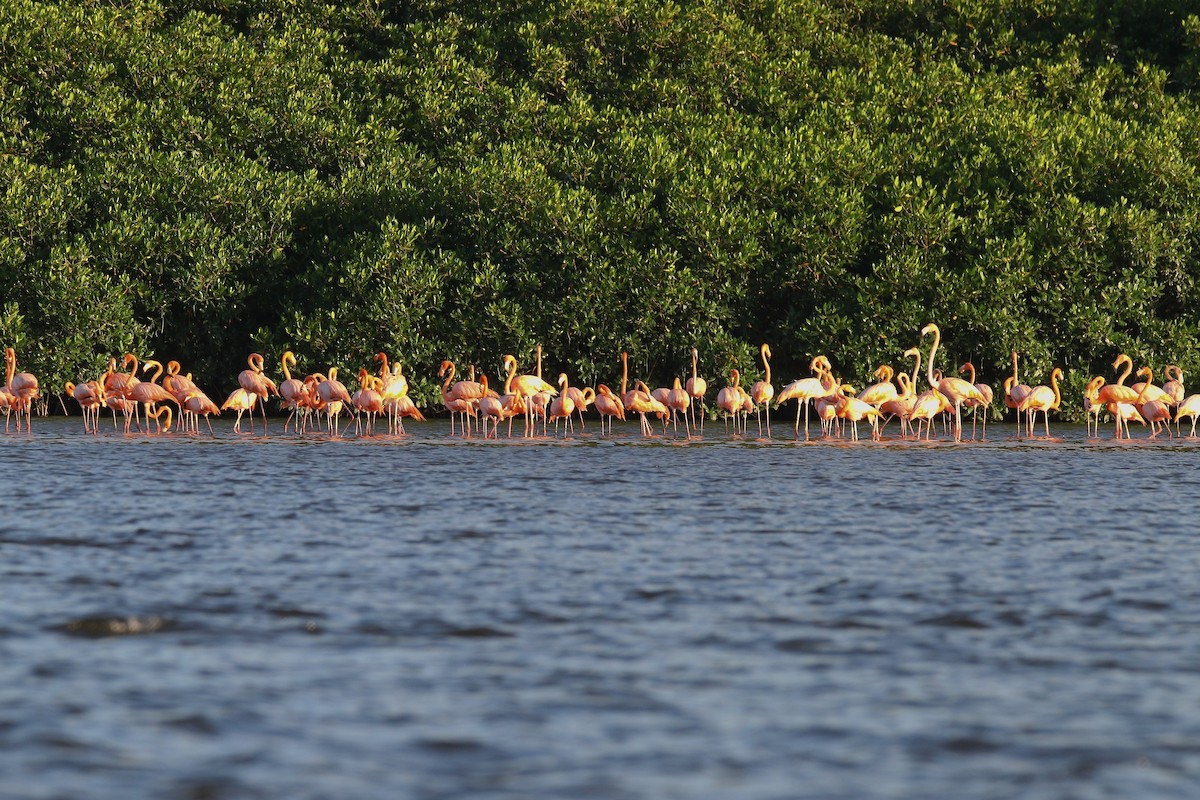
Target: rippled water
pixel 427 617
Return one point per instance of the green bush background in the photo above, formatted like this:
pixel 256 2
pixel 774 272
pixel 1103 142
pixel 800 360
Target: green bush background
pixel 197 180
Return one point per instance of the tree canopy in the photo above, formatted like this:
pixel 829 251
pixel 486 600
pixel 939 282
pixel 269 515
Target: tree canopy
pixel 200 179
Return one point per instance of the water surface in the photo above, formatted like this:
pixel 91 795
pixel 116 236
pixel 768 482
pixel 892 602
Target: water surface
pixel 428 617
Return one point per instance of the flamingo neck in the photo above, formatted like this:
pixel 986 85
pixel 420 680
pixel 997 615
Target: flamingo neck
pixel 1128 369
pixel 1145 387
pixel 937 340
pixel 510 364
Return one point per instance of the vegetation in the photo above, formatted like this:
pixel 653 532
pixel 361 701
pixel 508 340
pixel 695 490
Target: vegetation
pixel 204 178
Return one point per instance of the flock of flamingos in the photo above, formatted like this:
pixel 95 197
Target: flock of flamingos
pixel 476 406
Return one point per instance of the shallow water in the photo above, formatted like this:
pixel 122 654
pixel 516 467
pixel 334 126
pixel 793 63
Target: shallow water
pixel 428 617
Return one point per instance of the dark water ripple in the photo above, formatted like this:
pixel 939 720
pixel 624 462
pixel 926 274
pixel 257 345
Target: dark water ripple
pixel 264 617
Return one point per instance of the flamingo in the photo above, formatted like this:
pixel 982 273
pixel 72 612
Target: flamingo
pixel 634 397
pixel 975 405
pixel 240 401
pixel 117 386
pixel 955 390
pixel 394 390
pixel 1091 403
pixel 255 382
pixel 496 407
pixel 608 406
pixel 149 393
pixel 334 395
pixel 806 389
pixel 563 406
pixel 1188 407
pixel 696 387
pixel 582 398
pixel 901 405
pixel 1044 399
pixel 1015 391
pixel 678 400
pixel 729 399
pixel 645 403
pixel 827 407
pixel 1124 414
pixel 394 382
pixel 879 393
pixel 22 386
pixel 292 394
pixel 1173 386
pixel 526 386
pixel 762 391
pixel 1152 392
pixel 1155 411
pixel 468 389
pixel 403 407
pixel 1114 395
pixel 90 397
pixel 461 398
pixel 197 403
pixel 852 409
pixel 178 385
pixel 367 400
pixel 927 406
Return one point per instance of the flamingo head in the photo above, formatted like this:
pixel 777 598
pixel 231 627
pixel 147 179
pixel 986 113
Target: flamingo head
pixel 930 328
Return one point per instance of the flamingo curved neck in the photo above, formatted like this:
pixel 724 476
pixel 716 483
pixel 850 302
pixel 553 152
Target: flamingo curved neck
pixel 157 372
pixel 1145 386
pixel 510 364
pixel 937 340
pixel 1128 368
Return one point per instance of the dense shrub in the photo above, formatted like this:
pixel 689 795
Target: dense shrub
pixel 199 179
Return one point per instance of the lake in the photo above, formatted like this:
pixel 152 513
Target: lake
pixel 600 617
